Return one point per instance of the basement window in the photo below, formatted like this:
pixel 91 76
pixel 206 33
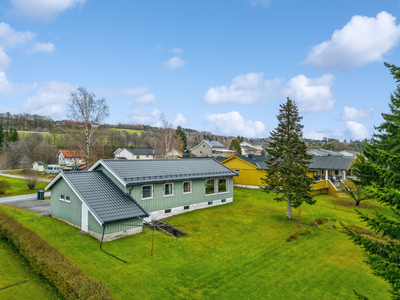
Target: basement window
pixel 186 207
pixel 210 203
pixel 223 200
pixel 167 211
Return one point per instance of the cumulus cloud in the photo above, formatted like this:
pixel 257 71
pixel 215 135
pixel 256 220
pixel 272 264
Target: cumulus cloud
pixel 360 41
pixel 232 123
pixel 10 38
pixel 4 59
pixel 6 87
pixel 179 120
pixel 152 118
pixel 141 95
pixel 43 47
pixel 47 9
pixel 176 50
pixel 357 130
pixel 310 94
pixel 50 99
pixel 174 62
pixel 353 114
pixel 319 134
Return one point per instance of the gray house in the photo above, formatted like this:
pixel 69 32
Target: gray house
pixel 211 149
pixel 116 194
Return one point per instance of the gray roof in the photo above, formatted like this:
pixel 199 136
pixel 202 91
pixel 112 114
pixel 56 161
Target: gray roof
pixel 141 151
pixel 39 163
pixel 323 152
pixel 138 172
pixel 339 163
pixel 103 197
pixel 215 144
pixel 256 160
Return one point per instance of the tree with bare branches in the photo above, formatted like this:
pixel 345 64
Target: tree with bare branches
pixel 168 139
pixel 89 112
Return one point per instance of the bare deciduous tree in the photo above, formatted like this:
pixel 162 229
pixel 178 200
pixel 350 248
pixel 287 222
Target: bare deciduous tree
pixel 31 178
pixel 90 113
pixel 168 139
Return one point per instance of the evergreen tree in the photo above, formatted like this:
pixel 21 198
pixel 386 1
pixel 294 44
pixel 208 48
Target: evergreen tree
pixel 13 136
pixel 288 165
pixel 235 145
pixel 182 135
pixel 381 172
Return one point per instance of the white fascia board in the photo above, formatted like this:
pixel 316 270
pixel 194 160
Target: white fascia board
pixel 203 141
pixel 53 181
pixel 109 170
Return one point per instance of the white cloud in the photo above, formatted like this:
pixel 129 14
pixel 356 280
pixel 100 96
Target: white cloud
pixel 4 59
pixel 266 3
pixel 310 94
pixel 50 100
pixel 47 9
pixel 43 47
pixel 6 87
pixel 319 134
pixel 10 38
pixel 176 50
pixel 357 131
pixel 232 123
pixel 179 120
pixel 360 41
pixel 141 95
pixel 353 114
pixel 174 62
pixel 152 118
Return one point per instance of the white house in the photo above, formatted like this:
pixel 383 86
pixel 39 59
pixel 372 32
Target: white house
pixel 66 157
pixel 134 153
pixel 211 149
pixel 38 166
pixel 248 148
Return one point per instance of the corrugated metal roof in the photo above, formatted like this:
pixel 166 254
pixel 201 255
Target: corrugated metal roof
pixel 339 163
pixel 137 172
pixel 323 152
pixel 215 144
pixel 141 151
pixel 103 197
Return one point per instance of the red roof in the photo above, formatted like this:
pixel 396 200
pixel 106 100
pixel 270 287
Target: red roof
pixel 73 153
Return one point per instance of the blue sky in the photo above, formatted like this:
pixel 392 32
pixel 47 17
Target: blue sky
pixel 219 66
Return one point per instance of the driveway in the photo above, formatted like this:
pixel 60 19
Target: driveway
pixel 28 197
pixel 21 177
pixel 41 206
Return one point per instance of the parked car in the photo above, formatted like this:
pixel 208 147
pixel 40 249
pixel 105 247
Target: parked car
pixel 52 169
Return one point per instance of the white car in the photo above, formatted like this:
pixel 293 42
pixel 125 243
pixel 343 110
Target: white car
pixel 52 169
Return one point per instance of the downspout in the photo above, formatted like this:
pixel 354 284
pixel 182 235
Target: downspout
pixel 101 243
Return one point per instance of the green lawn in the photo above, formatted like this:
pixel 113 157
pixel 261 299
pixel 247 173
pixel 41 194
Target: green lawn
pixel 234 251
pixel 19 187
pixel 14 269
pixel 139 132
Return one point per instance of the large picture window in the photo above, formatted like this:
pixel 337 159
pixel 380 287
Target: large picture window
pixel 210 186
pixel 168 189
pixel 187 187
pixel 222 187
pixel 147 192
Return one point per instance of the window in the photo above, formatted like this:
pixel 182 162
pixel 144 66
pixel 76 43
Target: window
pixel 210 188
pixel 137 157
pixel 237 170
pixel 187 187
pixel 210 203
pixel 167 211
pixel 168 189
pixel 186 207
pixel 204 146
pixel 147 192
pixel 222 188
pixel 147 156
pixel 67 198
pixel 223 200
pixel 62 197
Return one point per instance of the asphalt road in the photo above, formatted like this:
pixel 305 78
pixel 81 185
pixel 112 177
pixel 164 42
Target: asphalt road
pixel 21 177
pixel 6 200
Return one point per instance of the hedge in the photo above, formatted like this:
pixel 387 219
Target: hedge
pixel 46 260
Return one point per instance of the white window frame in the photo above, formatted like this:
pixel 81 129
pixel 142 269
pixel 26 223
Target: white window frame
pixel 63 197
pixel 183 187
pixel 172 189
pixel 205 186
pixel 227 185
pixel 152 192
pixel 68 201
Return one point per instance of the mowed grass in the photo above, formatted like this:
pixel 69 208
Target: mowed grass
pixel 19 187
pixel 14 269
pixel 234 251
pixel 139 132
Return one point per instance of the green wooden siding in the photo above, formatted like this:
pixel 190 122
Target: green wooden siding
pixel 109 175
pixel 159 202
pixel 111 228
pixel 70 212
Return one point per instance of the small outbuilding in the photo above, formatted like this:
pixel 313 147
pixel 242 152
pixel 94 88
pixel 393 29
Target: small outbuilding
pixel 38 166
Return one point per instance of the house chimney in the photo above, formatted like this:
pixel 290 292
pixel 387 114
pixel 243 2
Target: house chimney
pixel 132 147
pixel 250 155
pixel 263 153
pixel 186 154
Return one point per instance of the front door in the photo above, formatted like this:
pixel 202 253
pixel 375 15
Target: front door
pixel 84 218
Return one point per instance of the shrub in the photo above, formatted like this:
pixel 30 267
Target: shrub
pixel 31 178
pixel 4 186
pixel 46 260
pixel 297 234
pixel 321 220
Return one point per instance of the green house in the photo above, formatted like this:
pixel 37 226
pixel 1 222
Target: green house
pixel 111 199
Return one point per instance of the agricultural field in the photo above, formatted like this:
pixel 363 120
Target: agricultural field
pixel 139 132
pixel 19 187
pixel 233 251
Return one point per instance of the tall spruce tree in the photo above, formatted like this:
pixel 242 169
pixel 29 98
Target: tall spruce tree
pixel 381 173
pixel 288 166
pixel 182 135
pixel 235 145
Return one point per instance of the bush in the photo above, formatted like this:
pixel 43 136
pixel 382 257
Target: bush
pixel 321 220
pixel 31 178
pixel 4 186
pixel 297 234
pixel 46 260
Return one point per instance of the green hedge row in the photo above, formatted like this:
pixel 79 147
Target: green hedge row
pixel 46 260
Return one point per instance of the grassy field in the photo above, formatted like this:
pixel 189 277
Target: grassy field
pixel 42 175
pixel 234 251
pixel 19 187
pixel 139 132
pixel 14 269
